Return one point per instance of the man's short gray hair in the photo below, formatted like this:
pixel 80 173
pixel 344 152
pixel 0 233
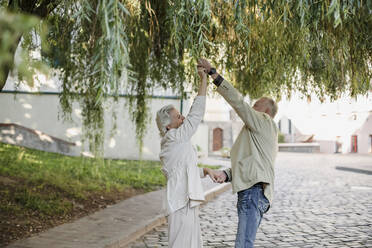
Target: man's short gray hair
pixel 272 105
pixel 163 118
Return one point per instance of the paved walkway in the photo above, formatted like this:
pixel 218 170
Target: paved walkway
pixel 316 205
pixel 115 226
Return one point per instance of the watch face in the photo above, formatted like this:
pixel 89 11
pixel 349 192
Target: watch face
pixel 212 71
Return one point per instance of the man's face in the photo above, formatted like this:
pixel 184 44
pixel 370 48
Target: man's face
pixel 176 119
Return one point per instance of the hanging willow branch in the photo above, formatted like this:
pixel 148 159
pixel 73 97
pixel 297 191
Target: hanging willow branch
pixel 104 47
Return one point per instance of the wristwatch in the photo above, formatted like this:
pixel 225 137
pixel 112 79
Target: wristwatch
pixel 212 71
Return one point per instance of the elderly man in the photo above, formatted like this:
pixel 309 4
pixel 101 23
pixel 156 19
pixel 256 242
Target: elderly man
pixel 252 158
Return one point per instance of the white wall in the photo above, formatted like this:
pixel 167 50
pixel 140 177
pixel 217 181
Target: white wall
pixel 124 144
pixel 217 109
pixel 364 145
pixel 38 112
pixel 200 138
pixel 41 112
pixel 327 146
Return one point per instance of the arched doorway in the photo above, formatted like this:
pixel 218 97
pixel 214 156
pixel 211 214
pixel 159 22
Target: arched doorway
pixel 354 143
pixel 217 139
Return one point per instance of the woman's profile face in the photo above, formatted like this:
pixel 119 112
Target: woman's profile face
pixel 176 119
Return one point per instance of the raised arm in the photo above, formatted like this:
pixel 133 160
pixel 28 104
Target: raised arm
pixel 195 116
pixel 203 82
pixel 249 116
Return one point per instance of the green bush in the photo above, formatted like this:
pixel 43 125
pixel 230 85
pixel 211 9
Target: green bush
pixel 280 138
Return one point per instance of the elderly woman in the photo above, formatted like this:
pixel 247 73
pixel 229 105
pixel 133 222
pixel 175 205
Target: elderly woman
pixel 184 191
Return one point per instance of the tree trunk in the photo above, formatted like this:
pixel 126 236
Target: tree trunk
pixel 5 69
pixel 41 10
pixel 4 72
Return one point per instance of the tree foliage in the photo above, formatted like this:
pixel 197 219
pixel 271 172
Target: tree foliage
pixel 107 47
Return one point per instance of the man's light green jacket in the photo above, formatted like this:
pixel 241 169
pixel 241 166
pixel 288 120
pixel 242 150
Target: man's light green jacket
pixel 254 151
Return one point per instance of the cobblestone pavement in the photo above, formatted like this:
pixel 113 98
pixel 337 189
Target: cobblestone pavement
pixel 315 205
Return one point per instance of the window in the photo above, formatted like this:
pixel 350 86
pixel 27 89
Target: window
pixel 289 126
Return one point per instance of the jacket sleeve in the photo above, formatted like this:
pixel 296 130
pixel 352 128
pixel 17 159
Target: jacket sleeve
pixel 192 120
pixel 253 119
pixel 228 173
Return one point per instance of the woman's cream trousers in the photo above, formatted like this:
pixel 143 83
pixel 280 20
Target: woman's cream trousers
pixel 184 228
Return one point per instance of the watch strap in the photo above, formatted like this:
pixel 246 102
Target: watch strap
pixel 218 80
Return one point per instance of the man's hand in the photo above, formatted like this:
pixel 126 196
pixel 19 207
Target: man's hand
pixel 221 176
pixel 205 64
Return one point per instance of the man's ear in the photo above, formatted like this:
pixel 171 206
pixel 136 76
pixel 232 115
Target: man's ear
pixel 268 111
pixel 167 127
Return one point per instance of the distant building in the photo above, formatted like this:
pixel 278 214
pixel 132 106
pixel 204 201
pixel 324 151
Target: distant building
pixel 223 126
pixel 335 133
pixel 289 130
pixel 222 134
pixel 361 138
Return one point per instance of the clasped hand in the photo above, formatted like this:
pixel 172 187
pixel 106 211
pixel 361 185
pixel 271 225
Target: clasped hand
pixel 217 176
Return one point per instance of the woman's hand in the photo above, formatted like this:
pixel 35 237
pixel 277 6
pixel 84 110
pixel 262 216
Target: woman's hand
pixel 210 173
pixel 202 73
pixel 203 81
pixel 207 67
pixel 214 175
pixel 205 64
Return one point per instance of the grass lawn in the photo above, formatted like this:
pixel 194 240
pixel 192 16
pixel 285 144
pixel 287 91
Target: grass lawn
pixel 40 189
pixel 213 167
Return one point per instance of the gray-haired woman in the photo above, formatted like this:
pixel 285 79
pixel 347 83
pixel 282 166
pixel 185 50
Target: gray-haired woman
pixel 184 191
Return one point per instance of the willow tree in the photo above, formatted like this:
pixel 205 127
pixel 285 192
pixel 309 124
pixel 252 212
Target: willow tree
pixel 105 47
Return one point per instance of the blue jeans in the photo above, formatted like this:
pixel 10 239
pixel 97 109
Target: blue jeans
pixel 252 204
